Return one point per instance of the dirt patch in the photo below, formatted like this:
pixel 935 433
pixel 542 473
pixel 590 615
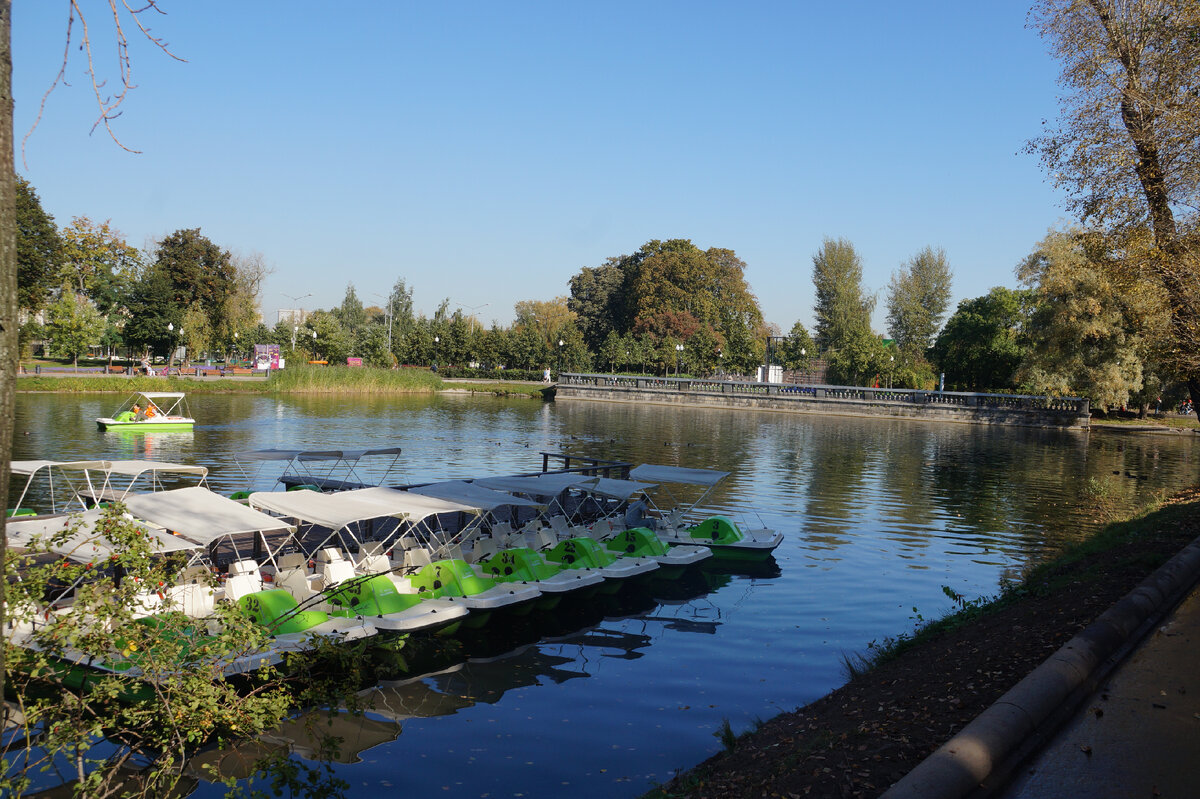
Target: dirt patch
pixel 868 734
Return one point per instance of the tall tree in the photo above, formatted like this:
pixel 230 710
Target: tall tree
pixel 1127 147
pixel 198 271
pixel 598 301
pixel 350 313
pixel 39 248
pixel 917 301
pixel 843 308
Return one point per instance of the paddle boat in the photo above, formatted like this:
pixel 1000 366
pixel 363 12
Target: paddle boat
pixel 176 615
pixel 378 519
pixel 230 535
pixel 727 539
pixel 504 555
pixel 557 539
pixel 145 411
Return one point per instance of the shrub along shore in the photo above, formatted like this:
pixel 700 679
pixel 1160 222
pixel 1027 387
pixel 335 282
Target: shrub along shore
pixel 293 380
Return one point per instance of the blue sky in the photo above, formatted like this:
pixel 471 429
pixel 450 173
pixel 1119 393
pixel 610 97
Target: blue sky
pixel 487 151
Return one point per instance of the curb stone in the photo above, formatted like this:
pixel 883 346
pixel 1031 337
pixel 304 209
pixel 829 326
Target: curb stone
pixel 984 747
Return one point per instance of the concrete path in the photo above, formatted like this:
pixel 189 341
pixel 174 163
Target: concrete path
pixel 1139 734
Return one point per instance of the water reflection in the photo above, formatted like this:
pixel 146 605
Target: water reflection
pixel 877 515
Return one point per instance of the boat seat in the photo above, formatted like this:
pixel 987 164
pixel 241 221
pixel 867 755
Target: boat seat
pixel 416 558
pixel 292 560
pixel 330 555
pixel 372 559
pixel 194 600
pixel 243 584
pixel 486 547
pixel 672 520
pixel 243 567
pixel 298 582
pixel 337 571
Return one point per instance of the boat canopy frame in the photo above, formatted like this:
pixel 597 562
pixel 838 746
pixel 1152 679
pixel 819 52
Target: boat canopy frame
pixel 316 467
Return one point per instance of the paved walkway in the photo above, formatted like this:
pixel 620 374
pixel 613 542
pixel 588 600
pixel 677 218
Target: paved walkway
pixel 1139 734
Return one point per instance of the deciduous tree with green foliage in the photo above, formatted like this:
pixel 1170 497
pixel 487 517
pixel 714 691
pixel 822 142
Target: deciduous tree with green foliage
pixel 798 349
pixel 843 308
pixel 1127 146
pixel 1086 337
pixel 982 344
pixel 72 324
pixel 38 248
pixel 918 298
pixel 97 263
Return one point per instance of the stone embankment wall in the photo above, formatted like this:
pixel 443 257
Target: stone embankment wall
pixel 932 406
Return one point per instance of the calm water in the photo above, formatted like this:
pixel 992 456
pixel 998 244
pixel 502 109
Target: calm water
pixel 878 516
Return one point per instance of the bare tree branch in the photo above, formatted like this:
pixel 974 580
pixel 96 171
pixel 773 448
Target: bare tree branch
pixel 110 104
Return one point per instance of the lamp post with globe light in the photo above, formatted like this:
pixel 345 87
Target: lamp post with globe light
pixel 678 355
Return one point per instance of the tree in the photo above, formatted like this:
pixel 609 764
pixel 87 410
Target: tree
pixel 152 305
pixel 73 324
pixel 597 300
pixel 843 309
pixel 982 345
pixel 350 313
pixel 97 262
pixel 859 359
pixel 799 349
pixel 198 271
pixel 38 248
pixel 1086 338
pixel 918 297
pixel 668 280
pixel 1127 147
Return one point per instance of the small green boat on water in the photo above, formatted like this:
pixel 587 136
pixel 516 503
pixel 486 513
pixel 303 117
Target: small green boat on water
pixel 150 411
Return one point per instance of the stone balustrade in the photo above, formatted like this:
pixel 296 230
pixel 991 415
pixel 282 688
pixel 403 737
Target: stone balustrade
pixel 1020 409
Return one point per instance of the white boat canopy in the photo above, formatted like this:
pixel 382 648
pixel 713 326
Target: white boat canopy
pixel 86 544
pixel 677 474
pixel 135 471
pixel 318 466
pixel 546 486
pixel 334 511
pixel 623 490
pixel 156 395
pixel 414 507
pixel 474 494
pixel 201 516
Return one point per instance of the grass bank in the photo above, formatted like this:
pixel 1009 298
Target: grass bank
pixel 293 380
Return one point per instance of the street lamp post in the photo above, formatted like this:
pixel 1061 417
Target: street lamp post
pixel 560 351
pixel 678 355
pixel 174 345
pixel 436 339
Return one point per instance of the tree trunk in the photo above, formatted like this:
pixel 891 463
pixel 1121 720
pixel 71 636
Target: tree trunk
pixel 8 279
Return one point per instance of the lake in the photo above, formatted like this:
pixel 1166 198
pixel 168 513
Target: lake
pixel 609 700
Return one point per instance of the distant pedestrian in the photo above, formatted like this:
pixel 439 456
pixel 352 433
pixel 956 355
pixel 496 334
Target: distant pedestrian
pixel 1158 406
pixel 545 375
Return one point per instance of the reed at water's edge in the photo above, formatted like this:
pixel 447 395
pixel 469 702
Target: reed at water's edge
pixel 293 380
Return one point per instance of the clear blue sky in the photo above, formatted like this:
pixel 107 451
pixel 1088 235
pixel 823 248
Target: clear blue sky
pixel 486 151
